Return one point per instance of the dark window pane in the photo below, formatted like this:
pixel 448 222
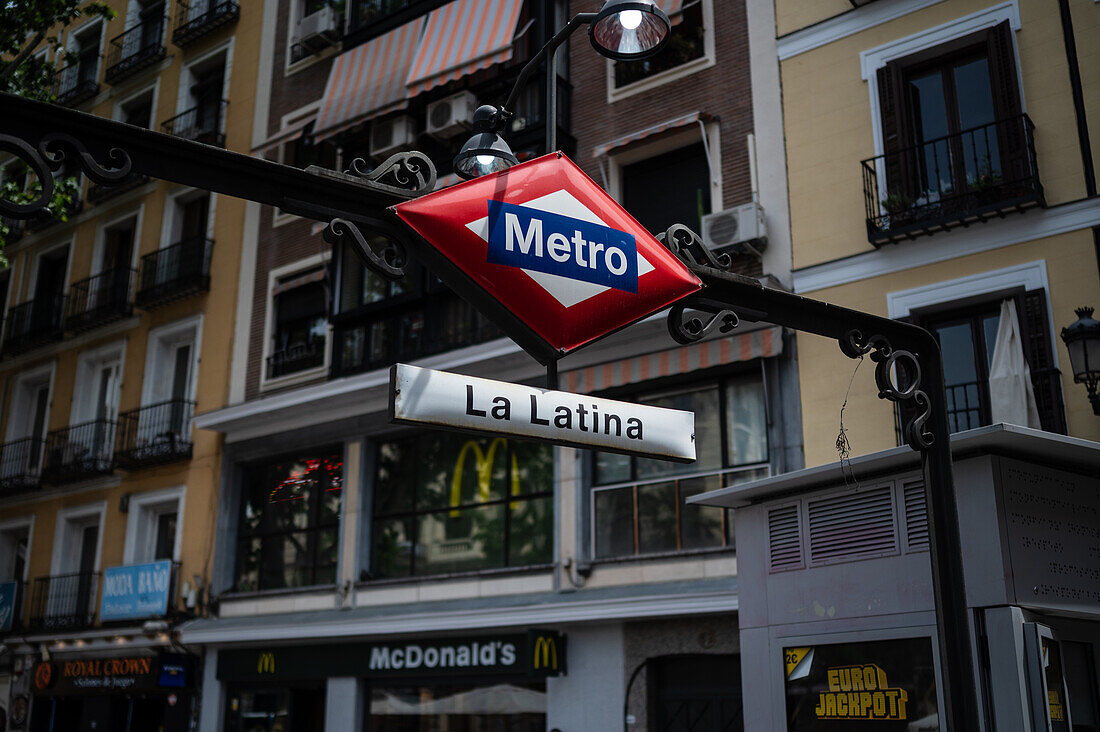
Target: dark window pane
pixel 708 432
pixel 530 532
pixel 532 469
pixel 746 421
pixel 657 518
pixel 701 526
pixel 393 543
pixel 667 189
pixel 614 519
pixel 686 43
pixel 612 468
pixel 957 344
pixel 478 545
pixel 990 325
pixel 396 478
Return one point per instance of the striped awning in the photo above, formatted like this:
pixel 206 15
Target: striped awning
pixel 687 119
pixel 731 349
pixel 462 37
pixel 368 80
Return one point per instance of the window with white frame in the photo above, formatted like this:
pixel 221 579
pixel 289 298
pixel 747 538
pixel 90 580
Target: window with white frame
pixel 95 403
pixel 668 188
pixel 73 582
pixel 81 71
pixel 299 323
pixel 153 529
pixel 138 109
pixel 163 426
pixel 15 536
pixel 202 101
pixel 690 47
pixel 28 417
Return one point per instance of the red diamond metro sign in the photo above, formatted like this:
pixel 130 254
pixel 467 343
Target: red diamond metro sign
pixel 547 255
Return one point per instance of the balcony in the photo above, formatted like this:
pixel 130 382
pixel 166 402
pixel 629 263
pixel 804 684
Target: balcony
pixel 200 18
pixel 77 84
pixel 955 180
pixel 156 434
pixel 80 452
pixel 101 299
pixel 21 465
pixel 98 193
pixel 199 124
pixel 64 601
pixel 296 358
pixel 136 49
pixel 174 273
pixel 33 323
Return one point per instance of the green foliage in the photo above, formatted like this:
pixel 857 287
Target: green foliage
pixel 26 27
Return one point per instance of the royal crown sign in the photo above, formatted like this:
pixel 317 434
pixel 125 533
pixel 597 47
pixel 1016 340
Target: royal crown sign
pixel 547 255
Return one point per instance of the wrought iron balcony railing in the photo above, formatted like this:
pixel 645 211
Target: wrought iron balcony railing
pixel 202 123
pixel 135 49
pixel 174 272
pixel 79 452
pixel 98 193
pixel 296 358
pixel 955 180
pixel 21 465
pixel 77 83
pixel 100 299
pixel 33 323
pixel 64 601
pixel 200 18
pixel 158 433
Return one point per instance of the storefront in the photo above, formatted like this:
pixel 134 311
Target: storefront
pixel 124 693
pixel 457 684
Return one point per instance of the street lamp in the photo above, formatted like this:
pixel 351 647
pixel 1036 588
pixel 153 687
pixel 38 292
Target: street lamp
pixel 1082 340
pixel 625 30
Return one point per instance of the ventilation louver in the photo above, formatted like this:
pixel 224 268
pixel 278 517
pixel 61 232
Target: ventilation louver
pixel 784 539
pixel 916 517
pixel 852 525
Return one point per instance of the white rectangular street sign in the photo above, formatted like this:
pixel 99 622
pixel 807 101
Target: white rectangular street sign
pixel 424 396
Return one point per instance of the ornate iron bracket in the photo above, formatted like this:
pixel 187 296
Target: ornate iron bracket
pixel 402 173
pixel 890 364
pixel 690 249
pixel 686 329
pixel 388 261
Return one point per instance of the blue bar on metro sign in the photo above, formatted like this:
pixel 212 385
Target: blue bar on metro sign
pixel 561 245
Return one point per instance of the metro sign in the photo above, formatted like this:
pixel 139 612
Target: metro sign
pixel 547 255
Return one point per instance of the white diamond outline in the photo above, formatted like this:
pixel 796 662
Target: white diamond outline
pixel 567 291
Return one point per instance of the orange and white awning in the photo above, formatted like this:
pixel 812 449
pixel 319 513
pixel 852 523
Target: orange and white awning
pixel 687 119
pixel 368 80
pixel 460 38
pixel 763 343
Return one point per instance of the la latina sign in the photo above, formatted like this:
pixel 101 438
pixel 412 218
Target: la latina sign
pixel 442 399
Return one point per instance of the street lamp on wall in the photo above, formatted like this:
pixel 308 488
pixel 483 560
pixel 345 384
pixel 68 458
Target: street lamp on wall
pixel 624 30
pixel 1082 340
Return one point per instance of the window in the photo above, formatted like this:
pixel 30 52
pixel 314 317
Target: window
pixel 202 101
pixel 300 324
pixel 671 188
pixel 448 503
pixel 94 417
pixel 14 543
pixel 70 591
pixel 690 47
pixel 138 111
pixel 305 151
pixel 275 708
pixel 695 692
pixel 82 57
pixel 152 533
pixel 967 336
pixel 370 12
pixel 516 705
pixel 638 503
pixel 290 522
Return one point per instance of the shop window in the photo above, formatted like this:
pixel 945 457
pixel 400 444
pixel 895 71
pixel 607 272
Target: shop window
pixel 290 523
pixel 270 709
pixel 688 42
pixel 695 692
pixel 671 188
pixel 967 337
pixel 449 503
pixel 299 324
pixel 638 503
pixel 403 707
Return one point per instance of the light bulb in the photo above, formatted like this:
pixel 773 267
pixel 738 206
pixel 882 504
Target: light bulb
pixel 485 160
pixel 630 19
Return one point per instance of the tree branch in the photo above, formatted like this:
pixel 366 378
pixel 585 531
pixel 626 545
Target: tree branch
pixel 7 71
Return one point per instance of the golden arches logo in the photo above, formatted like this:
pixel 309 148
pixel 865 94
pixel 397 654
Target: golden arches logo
pixel 546 653
pixel 265 664
pixel 484 468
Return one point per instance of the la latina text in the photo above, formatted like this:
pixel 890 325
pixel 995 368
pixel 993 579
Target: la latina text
pixel 582 417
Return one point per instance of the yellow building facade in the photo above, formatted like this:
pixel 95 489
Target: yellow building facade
pixel 117 331
pixel 937 170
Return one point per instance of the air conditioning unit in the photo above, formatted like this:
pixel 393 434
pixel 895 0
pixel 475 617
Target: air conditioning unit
pixel 740 228
pixel 391 135
pixel 452 115
pixel 317 31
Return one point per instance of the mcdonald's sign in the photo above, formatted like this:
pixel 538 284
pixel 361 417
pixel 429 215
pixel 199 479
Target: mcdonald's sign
pixel 547 653
pixel 265 663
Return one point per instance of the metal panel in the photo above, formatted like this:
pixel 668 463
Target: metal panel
pixel 852 525
pixel 784 539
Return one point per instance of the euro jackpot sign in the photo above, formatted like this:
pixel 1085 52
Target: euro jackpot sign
pixel 874 686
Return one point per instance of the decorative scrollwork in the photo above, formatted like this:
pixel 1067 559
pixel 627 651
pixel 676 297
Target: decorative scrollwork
pixel 690 249
pixel 388 261
pixel 687 330
pixel 404 172
pixel 38 165
pixel 54 147
pixel 898 376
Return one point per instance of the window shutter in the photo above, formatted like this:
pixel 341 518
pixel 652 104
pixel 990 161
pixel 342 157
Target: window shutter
pixel 1045 378
pixel 1006 104
pixel 895 131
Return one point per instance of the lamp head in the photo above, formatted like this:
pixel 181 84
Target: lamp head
pixel 485 151
pixel 629 30
pixel 1082 340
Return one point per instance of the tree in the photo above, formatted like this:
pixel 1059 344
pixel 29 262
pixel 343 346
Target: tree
pixel 26 28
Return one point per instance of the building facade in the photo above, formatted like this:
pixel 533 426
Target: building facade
pixel 111 343
pixel 361 567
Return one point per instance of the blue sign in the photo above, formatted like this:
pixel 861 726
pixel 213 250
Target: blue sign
pixel 136 591
pixel 541 241
pixel 7 604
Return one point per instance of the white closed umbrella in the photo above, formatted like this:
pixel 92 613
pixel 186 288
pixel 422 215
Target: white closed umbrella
pixel 1011 396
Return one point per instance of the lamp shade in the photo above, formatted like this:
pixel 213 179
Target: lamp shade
pixel 485 151
pixel 1082 340
pixel 628 30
